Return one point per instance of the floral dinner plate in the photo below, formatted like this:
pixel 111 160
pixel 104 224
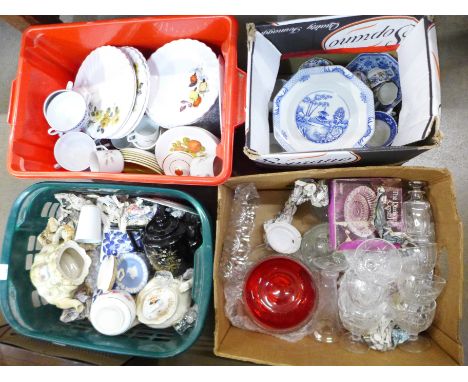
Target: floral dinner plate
pixel 142 91
pixel 193 140
pixel 184 82
pixel 323 108
pixel 106 79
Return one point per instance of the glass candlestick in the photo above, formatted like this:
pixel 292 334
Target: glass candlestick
pixel 326 325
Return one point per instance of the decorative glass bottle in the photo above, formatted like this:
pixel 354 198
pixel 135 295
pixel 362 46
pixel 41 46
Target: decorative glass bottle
pixel 417 214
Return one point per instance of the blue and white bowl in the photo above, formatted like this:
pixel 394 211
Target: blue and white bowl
pixel 323 108
pixel 314 62
pixel 380 69
pixel 385 131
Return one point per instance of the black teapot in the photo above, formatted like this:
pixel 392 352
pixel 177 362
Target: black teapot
pixel 170 243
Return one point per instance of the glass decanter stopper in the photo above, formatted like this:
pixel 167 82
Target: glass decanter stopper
pixel 417 214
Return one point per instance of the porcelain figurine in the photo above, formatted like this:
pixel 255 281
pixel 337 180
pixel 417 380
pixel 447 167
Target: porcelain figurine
pixel 57 272
pixel 55 232
pixel 164 300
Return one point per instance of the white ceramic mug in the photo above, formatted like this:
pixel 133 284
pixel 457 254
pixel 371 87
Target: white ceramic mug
pixel 72 151
pixel 113 312
pixel 145 134
pixel 106 161
pixel 65 110
pixel 89 228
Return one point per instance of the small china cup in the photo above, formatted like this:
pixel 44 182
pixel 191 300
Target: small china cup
pixel 203 166
pixel 106 161
pixel 113 312
pixel 145 134
pixel 65 110
pixel 72 151
pixel 89 228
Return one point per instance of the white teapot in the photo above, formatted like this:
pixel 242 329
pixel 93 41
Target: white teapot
pixel 57 272
pixel 164 300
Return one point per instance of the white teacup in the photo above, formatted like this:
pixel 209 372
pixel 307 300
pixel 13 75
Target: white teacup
pixel 113 312
pixel 203 166
pixel 387 93
pixel 65 110
pixel 106 161
pixel 89 228
pixel 145 134
pixel 73 150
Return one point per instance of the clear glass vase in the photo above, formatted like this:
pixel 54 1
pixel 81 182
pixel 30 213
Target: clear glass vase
pixel 326 325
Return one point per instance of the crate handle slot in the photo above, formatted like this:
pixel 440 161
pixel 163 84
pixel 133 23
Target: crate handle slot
pixel 241 96
pixel 3 272
pixel 12 105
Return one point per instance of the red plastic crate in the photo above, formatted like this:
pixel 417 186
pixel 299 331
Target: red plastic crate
pixel 50 55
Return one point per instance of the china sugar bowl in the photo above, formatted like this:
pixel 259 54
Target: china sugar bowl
pixel 164 301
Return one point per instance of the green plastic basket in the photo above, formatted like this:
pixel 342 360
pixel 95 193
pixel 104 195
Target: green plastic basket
pixel 31 316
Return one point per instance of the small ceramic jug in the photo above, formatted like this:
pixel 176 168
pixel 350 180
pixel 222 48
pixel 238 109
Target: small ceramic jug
pixel 163 301
pixel 57 272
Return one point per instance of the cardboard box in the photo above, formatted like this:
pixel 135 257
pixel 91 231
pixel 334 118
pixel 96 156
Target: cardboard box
pixel 446 349
pixel 277 49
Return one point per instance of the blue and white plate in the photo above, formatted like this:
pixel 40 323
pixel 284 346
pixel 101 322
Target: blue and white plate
pixel 323 108
pixel 380 69
pixel 314 62
pixel 385 132
pixel 132 272
pixel 115 242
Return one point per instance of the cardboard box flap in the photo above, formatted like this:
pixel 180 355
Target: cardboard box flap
pixel 238 344
pixel 435 68
pixel 263 72
pixel 337 32
pixel 415 79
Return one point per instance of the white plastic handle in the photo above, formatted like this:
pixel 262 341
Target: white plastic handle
pixel 3 272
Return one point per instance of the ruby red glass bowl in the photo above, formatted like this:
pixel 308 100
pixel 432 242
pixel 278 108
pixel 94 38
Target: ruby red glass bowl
pixel 280 294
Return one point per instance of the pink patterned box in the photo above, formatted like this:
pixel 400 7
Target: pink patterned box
pixel 351 209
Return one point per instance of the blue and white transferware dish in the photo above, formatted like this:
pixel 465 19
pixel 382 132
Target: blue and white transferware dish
pixel 132 272
pixel 116 242
pixel 323 108
pixel 383 76
pixel 314 62
pixel 385 131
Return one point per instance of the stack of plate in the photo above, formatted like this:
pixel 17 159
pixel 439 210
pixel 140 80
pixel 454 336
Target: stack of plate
pixel 141 158
pixel 115 84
